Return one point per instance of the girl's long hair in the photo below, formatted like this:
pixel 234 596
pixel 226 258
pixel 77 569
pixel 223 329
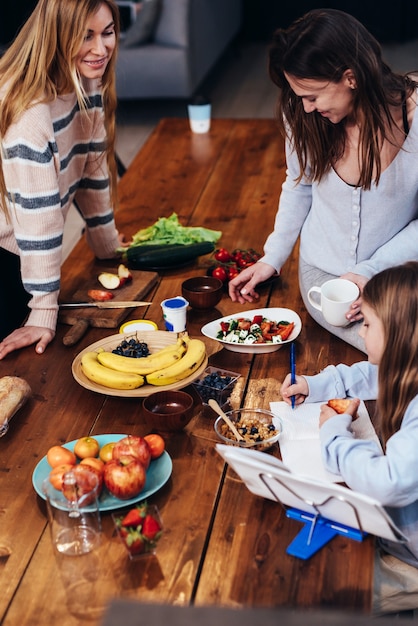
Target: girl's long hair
pixel 322 45
pixel 41 64
pixel 393 296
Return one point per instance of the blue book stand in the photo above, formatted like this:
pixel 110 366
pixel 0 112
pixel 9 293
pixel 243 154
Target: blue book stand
pixel 316 533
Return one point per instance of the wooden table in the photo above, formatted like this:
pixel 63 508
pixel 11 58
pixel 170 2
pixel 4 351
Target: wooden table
pixel 223 546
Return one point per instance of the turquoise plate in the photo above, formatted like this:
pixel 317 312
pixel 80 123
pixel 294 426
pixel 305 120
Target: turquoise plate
pixel 158 473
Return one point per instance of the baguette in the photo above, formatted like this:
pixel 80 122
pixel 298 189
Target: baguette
pixel 14 392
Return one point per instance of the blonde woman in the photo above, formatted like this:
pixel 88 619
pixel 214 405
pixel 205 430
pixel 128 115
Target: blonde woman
pixel 57 129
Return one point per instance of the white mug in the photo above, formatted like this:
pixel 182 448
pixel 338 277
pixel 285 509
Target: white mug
pixel 336 297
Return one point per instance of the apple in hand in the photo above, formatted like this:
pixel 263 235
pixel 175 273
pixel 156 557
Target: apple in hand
pixel 124 477
pixel 135 446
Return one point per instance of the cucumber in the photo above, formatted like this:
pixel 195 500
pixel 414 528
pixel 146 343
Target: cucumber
pixel 151 257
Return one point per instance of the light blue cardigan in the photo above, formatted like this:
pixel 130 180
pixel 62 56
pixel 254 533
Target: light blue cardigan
pixel 390 477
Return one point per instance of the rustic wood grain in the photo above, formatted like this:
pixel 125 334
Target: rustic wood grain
pixel 222 545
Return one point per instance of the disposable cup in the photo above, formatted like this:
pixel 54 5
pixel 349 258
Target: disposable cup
pixel 174 313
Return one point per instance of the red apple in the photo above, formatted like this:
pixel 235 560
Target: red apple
pixel 86 478
pixel 124 477
pixel 131 445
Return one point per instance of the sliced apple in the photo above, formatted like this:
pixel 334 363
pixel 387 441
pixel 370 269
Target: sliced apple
pixel 124 274
pixel 100 295
pixel 108 280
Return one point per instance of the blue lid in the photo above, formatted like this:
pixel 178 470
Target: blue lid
pixel 175 303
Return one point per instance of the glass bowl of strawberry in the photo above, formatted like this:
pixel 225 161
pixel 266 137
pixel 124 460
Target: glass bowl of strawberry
pixel 139 529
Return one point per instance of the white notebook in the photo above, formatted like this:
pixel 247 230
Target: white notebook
pixel 299 442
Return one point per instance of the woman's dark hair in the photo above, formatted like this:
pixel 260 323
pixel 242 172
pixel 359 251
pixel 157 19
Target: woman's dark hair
pixel 322 45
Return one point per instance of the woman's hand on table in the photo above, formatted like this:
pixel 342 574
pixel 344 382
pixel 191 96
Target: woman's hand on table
pixel 354 314
pixel 26 336
pixel 242 287
pixel 299 389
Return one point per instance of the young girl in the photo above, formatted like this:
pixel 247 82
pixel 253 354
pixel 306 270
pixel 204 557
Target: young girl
pixel 390 334
pixel 351 134
pixel 57 129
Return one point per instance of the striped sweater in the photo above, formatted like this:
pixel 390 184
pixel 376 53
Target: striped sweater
pixel 54 155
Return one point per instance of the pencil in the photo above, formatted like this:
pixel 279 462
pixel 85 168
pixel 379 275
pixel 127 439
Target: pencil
pixel 292 369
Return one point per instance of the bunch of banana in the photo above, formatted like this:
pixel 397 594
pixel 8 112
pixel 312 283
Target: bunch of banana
pixel 144 365
pixel 107 377
pixel 184 367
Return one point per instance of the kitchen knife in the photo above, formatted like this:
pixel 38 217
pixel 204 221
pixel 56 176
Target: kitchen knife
pixel 109 304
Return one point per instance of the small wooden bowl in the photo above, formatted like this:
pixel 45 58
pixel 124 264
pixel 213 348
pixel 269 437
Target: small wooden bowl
pixel 202 292
pixel 168 411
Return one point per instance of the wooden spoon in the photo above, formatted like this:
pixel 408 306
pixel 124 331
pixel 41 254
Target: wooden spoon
pixel 215 406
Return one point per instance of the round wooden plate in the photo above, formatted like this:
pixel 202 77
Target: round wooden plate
pixel 156 340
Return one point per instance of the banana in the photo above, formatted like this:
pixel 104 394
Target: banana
pixel 107 377
pixel 144 365
pixel 184 367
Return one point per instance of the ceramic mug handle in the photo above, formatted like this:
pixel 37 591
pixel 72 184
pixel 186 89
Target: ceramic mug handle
pixel 311 300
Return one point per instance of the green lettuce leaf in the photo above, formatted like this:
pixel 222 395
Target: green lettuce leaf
pixel 168 230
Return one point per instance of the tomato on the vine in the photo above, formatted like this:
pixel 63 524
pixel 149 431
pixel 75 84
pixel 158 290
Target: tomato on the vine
pixel 232 272
pixel 222 255
pixel 220 273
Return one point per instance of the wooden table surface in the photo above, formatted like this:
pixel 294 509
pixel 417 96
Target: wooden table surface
pixel 222 545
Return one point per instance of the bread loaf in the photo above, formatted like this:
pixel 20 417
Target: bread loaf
pixel 14 392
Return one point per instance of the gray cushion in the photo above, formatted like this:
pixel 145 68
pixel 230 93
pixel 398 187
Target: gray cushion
pixel 142 30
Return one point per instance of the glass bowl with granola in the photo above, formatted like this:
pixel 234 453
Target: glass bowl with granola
pixel 260 428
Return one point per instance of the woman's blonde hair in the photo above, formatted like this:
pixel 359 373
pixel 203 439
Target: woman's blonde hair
pixel 41 64
pixel 393 296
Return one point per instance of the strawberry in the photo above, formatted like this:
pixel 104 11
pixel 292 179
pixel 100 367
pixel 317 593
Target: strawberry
pixel 134 517
pixel 135 543
pixel 150 527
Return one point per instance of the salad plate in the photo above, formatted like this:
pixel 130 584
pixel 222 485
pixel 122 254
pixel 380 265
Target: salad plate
pixel 213 330
pixel 158 473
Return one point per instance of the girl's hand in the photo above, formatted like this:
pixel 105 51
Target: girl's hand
pixel 26 336
pixel 354 314
pixel 326 411
pixel 299 389
pixel 242 287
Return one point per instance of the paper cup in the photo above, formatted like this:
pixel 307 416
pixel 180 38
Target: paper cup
pixel 174 313
pixel 199 117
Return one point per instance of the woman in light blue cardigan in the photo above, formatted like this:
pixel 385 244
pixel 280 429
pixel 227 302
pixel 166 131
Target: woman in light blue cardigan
pixel 351 190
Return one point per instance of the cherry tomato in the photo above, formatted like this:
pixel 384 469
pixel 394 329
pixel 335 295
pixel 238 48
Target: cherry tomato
pixel 222 255
pixel 232 272
pixel 219 272
pixel 156 444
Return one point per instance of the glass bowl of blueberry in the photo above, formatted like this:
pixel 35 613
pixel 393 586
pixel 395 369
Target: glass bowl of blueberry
pixel 260 428
pixel 217 384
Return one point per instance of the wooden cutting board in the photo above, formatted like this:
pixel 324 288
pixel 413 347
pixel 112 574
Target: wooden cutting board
pixel 81 318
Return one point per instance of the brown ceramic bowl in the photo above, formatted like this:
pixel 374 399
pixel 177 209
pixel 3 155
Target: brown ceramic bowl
pixel 168 411
pixel 202 292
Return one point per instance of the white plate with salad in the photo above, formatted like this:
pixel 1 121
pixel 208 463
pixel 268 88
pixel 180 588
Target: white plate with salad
pixel 255 332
